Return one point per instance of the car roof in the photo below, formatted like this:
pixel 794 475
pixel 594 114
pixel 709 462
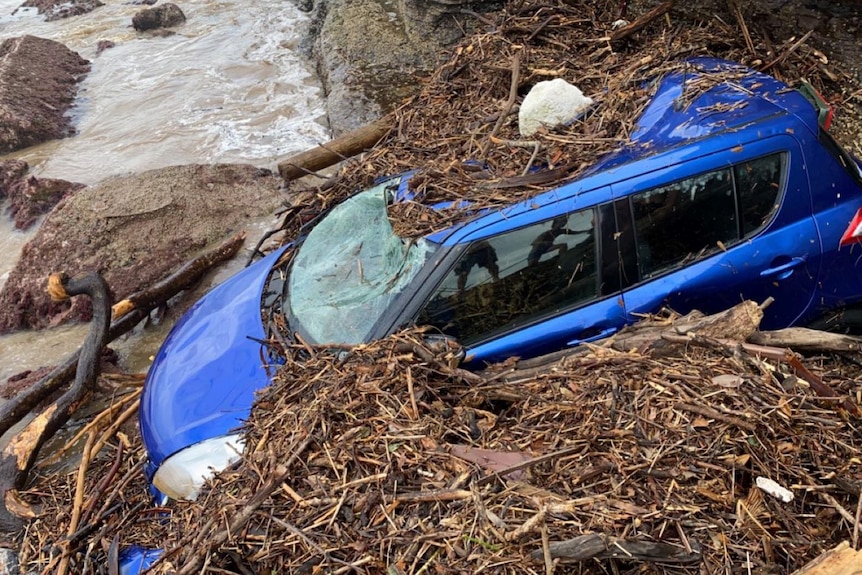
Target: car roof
pixel 741 98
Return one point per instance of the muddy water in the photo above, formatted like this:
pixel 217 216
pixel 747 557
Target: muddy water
pixel 229 86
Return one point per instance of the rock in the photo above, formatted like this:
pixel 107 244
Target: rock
pixel 364 79
pixel 549 104
pixel 162 16
pixel 30 197
pixel 9 562
pixel 104 45
pixel 38 82
pixel 134 230
pixel 58 9
pixel 11 171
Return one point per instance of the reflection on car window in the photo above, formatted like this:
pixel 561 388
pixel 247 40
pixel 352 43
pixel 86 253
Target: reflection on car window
pixel 758 182
pixel 688 220
pixel 684 221
pixel 512 278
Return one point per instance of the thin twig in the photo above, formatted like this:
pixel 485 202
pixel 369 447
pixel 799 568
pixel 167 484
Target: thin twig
pixel 513 96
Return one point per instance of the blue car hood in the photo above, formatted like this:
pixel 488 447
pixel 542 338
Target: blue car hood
pixel 204 377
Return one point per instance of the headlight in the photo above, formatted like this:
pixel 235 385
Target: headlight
pixel 182 474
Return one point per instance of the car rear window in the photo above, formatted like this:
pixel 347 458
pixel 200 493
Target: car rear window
pixel 688 220
pixel 515 277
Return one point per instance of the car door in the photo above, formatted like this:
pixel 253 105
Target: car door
pixel 532 283
pixel 711 232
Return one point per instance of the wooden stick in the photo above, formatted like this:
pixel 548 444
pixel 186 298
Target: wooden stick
pixel 78 502
pixel 641 22
pixel 717 415
pixel 92 425
pixel 185 276
pixel 788 52
pixel 513 95
pixel 599 546
pixel 109 433
pixel 737 12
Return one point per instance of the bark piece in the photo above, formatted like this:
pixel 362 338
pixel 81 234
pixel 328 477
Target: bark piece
pixel 599 546
pixel 840 560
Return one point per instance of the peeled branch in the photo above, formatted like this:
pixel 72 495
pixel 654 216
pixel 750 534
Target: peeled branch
pixel 187 275
pixel 19 455
pixel 132 311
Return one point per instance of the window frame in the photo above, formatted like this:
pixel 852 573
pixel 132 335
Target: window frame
pixel 453 258
pixel 625 206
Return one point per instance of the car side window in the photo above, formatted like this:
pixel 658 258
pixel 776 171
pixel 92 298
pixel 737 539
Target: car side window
pixel 515 277
pixel 688 220
pixel 758 183
pixel 684 221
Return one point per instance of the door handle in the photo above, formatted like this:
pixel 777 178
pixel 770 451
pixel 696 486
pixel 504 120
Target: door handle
pixel 590 338
pixel 783 271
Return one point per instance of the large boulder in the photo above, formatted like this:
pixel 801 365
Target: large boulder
pixel 59 9
pixel 38 82
pixel 134 230
pixel 370 54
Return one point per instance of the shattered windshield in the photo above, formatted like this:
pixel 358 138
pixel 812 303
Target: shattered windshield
pixel 350 269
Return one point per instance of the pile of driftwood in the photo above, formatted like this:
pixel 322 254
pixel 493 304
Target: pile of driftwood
pixel 668 449
pixel 683 445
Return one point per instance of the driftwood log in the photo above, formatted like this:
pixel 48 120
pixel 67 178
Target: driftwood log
pixel 19 455
pixel 334 151
pixel 129 316
pixel 808 340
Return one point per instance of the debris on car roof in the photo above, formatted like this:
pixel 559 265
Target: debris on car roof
pixel 392 458
pixel 460 132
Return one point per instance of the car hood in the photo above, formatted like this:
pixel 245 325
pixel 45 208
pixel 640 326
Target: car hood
pixel 203 380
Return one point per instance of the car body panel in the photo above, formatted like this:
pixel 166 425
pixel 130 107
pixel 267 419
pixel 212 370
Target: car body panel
pixel 202 381
pixel 836 196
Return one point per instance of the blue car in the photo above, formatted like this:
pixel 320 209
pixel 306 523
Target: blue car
pixel 741 194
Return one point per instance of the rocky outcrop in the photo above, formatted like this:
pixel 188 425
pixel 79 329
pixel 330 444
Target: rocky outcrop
pixel 134 230
pixel 30 197
pixel 162 16
pixel 58 9
pixel 370 54
pixel 38 82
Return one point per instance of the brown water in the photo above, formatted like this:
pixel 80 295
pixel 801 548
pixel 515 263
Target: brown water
pixel 229 86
